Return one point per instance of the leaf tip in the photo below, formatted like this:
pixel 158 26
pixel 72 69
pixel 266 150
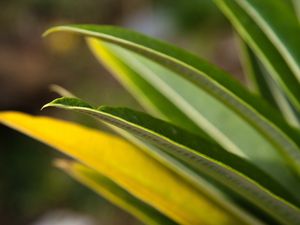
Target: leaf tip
pixel 50 104
pixel 54 29
pixel 49 31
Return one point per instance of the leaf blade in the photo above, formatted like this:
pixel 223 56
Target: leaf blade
pixel 216 82
pixel 284 34
pixel 266 86
pixel 208 114
pixel 264 48
pixel 278 209
pixel 103 186
pixel 82 144
pixel 147 95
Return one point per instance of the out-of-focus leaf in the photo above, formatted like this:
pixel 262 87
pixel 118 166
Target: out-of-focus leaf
pixel 61 91
pixel 113 192
pixel 129 167
pixel 255 79
pixel 216 82
pixel 265 86
pixel 201 155
pixel 297 8
pixel 274 40
pixel 283 33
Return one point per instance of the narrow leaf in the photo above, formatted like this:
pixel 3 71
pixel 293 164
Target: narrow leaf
pixel 283 33
pixel 265 86
pixel 265 49
pixel 203 156
pixel 127 166
pixel 113 192
pixel 147 95
pixel 205 111
pixel 254 75
pixel 216 82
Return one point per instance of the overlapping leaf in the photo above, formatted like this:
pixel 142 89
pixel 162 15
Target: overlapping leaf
pixel 201 155
pixel 129 167
pixel 201 108
pixel 147 95
pixel 113 192
pixel 217 83
pixel 283 33
pixel 275 43
pixel 265 86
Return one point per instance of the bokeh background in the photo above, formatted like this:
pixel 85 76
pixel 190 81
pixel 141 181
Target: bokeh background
pixel 32 191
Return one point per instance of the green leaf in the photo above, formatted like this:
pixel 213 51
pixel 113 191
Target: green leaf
pixel 265 86
pixel 214 81
pixel 132 169
pixel 205 111
pixel 201 155
pixel 255 77
pixel 147 95
pixel 297 8
pixel 283 33
pixel 113 192
pixel 258 38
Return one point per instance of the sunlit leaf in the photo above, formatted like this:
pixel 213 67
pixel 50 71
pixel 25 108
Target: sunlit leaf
pixel 204 110
pixel 216 82
pixel 148 95
pixel 129 167
pixel 113 192
pixel 200 154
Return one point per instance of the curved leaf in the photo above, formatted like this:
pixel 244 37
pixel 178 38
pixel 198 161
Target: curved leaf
pixel 146 94
pixel 202 155
pixel 216 82
pixel 283 33
pixel 266 86
pixel 254 75
pixel 260 43
pixel 129 167
pixel 204 110
pixel 113 192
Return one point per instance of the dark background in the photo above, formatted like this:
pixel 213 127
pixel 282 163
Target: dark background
pixel 32 191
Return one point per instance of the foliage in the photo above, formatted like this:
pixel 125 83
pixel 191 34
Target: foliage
pixel 216 152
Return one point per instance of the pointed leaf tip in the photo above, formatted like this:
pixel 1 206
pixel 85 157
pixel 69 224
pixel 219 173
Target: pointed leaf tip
pixel 67 101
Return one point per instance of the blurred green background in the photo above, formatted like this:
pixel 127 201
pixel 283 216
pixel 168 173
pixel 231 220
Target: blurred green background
pixel 32 191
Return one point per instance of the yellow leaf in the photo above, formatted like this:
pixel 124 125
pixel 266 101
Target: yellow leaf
pixel 114 193
pixel 126 165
